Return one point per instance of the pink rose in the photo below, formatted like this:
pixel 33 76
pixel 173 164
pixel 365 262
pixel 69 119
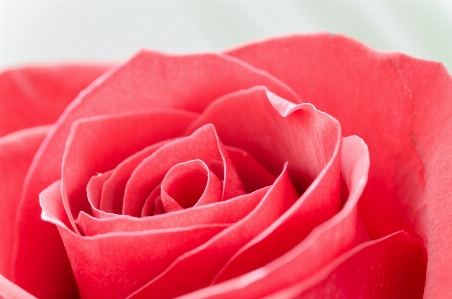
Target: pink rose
pixel 214 176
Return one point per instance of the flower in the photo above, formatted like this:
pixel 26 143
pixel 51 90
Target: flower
pixel 214 176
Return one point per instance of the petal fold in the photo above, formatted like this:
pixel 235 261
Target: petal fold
pixel 401 107
pixel 100 143
pixel 147 80
pixel 204 145
pixel 325 243
pixel 197 268
pixel 137 256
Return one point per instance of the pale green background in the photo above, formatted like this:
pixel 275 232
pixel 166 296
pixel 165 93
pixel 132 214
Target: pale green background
pixel 42 32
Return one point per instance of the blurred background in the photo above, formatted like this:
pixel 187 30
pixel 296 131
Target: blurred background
pixel 51 31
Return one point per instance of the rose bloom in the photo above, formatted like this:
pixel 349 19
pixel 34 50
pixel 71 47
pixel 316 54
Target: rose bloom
pixel 232 175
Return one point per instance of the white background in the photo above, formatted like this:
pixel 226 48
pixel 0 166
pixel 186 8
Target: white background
pixel 54 31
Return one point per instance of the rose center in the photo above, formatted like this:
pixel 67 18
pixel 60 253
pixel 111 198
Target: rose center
pixel 189 184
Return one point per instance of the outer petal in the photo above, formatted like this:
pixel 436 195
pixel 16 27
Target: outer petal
pixel 36 96
pixel 115 264
pixel 16 153
pixel 99 143
pixel 147 80
pixel 401 106
pixel 9 290
pixel 325 243
pixel 390 267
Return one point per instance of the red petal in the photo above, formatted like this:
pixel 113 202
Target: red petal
pixel 208 259
pixel 9 290
pixel 229 211
pixel 93 193
pixel 325 243
pixel 114 188
pixel 391 267
pixel 153 204
pixel 35 96
pixel 309 139
pixel 253 175
pixel 133 253
pixel 98 144
pixel 147 80
pixel 273 131
pixel 401 106
pixel 16 154
pixel 190 184
pixel 203 144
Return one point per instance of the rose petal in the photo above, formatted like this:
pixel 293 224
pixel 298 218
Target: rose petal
pixel 153 204
pixel 190 184
pixel 208 259
pixel 114 188
pixel 299 134
pixel 401 106
pixel 133 253
pixel 9 290
pixel 325 243
pixel 391 267
pixel 93 193
pixel 229 211
pixel 16 154
pixel 252 175
pixel 307 138
pixel 36 96
pixel 203 144
pixel 148 80
pixel 98 144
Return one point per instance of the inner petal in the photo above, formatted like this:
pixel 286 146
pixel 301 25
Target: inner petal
pixel 190 184
pixel 204 145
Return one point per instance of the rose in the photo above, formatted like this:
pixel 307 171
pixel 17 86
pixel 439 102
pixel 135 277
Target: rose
pixel 309 246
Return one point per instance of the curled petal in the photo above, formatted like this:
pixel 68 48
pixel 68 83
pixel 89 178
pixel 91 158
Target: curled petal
pixel 93 193
pixel 273 131
pixel 208 259
pixel 147 80
pixel 190 184
pixel 229 211
pixel 113 189
pixel 98 144
pixel 137 256
pixel 153 204
pixel 252 174
pixel 203 144
pixel 401 107
pixel 324 244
